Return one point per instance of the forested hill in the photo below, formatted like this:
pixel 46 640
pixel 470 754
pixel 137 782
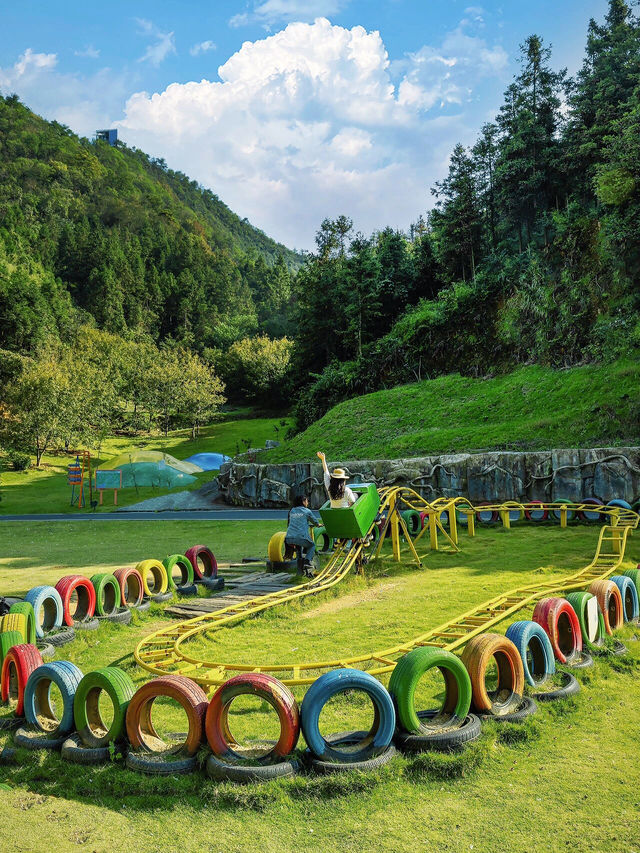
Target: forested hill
pixel 87 229
pixel 531 253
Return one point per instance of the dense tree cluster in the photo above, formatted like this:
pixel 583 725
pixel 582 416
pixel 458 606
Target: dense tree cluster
pixel 68 396
pixel 531 253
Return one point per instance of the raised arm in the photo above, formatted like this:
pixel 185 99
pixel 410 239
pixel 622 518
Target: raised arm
pixel 327 476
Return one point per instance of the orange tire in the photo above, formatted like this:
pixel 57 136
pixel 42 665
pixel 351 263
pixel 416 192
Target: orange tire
pixel 610 601
pixel 131 586
pixel 140 729
pixel 560 621
pixel 477 656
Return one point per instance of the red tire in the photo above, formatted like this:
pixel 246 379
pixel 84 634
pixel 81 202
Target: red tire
pixel 201 554
pixel 484 516
pixel 610 601
pixel 535 511
pixel 20 661
pixel 140 729
pixel 85 593
pixel 131 586
pixel 272 691
pixel 560 621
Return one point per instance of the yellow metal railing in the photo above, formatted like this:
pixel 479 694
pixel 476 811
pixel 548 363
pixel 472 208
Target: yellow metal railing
pixel 167 650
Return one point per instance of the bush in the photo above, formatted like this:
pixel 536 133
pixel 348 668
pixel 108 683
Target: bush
pixel 18 461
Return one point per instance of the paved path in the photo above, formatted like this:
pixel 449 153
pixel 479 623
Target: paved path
pixel 195 515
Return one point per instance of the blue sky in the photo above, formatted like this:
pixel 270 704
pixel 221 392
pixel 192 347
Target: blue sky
pixel 289 110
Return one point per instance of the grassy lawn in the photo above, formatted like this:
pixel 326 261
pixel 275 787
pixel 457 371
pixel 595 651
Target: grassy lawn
pixel 46 490
pixel 569 778
pixel 532 408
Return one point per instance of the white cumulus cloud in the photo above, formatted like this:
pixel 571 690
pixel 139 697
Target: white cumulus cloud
pixel 308 123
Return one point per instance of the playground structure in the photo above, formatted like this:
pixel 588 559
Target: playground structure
pixel 561 628
pixel 77 473
pixel 166 651
pixel 107 480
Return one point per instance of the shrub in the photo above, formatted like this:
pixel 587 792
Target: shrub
pixel 18 461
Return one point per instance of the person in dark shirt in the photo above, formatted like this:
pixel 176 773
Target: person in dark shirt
pixel 301 518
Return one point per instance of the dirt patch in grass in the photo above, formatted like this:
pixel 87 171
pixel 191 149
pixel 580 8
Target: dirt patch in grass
pixel 377 593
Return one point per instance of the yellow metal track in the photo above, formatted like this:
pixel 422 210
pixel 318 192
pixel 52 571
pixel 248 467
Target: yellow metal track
pixel 167 650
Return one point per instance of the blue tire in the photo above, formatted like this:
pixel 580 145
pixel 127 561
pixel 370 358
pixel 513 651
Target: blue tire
pixel 37 705
pixel 620 503
pixel 47 608
pixel 535 649
pixel 629 593
pixel 330 684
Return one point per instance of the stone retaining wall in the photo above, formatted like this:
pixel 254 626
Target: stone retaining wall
pixel 606 473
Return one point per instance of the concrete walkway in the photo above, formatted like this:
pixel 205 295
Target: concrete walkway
pixel 195 515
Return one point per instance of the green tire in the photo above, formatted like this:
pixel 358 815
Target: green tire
pixel 86 711
pixel 26 608
pixel 9 639
pixel 107 593
pixel 413 521
pixel 406 675
pixel 185 567
pixel 580 601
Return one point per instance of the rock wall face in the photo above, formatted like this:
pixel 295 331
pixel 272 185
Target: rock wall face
pixel 604 473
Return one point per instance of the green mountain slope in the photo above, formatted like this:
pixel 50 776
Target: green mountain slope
pixel 531 408
pixel 90 229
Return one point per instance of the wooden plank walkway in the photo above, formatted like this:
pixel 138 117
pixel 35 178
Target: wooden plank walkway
pixel 236 590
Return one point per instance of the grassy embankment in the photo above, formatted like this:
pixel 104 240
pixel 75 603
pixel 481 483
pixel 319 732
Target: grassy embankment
pixel 46 490
pixel 566 778
pixel 533 408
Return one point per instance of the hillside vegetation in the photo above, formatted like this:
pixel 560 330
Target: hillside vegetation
pixel 531 253
pixel 532 408
pixel 108 235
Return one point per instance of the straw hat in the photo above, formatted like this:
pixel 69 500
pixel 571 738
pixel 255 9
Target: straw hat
pixel 339 474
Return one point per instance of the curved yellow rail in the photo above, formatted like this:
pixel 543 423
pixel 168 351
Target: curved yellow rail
pixel 167 650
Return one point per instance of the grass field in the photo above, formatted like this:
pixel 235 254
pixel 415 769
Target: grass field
pixel 568 779
pixel 46 490
pixel 532 408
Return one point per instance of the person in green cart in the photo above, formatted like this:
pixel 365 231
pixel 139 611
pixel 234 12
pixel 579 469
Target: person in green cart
pixel 335 482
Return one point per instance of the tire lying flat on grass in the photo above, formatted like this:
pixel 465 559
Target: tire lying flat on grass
pixel 570 686
pixel 446 740
pixel 350 739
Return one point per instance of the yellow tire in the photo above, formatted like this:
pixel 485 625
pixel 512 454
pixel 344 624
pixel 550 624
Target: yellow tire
pixel 277 550
pixel 15 622
pixel 155 571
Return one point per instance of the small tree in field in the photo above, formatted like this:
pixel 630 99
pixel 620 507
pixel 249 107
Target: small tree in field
pixel 201 393
pixel 39 406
